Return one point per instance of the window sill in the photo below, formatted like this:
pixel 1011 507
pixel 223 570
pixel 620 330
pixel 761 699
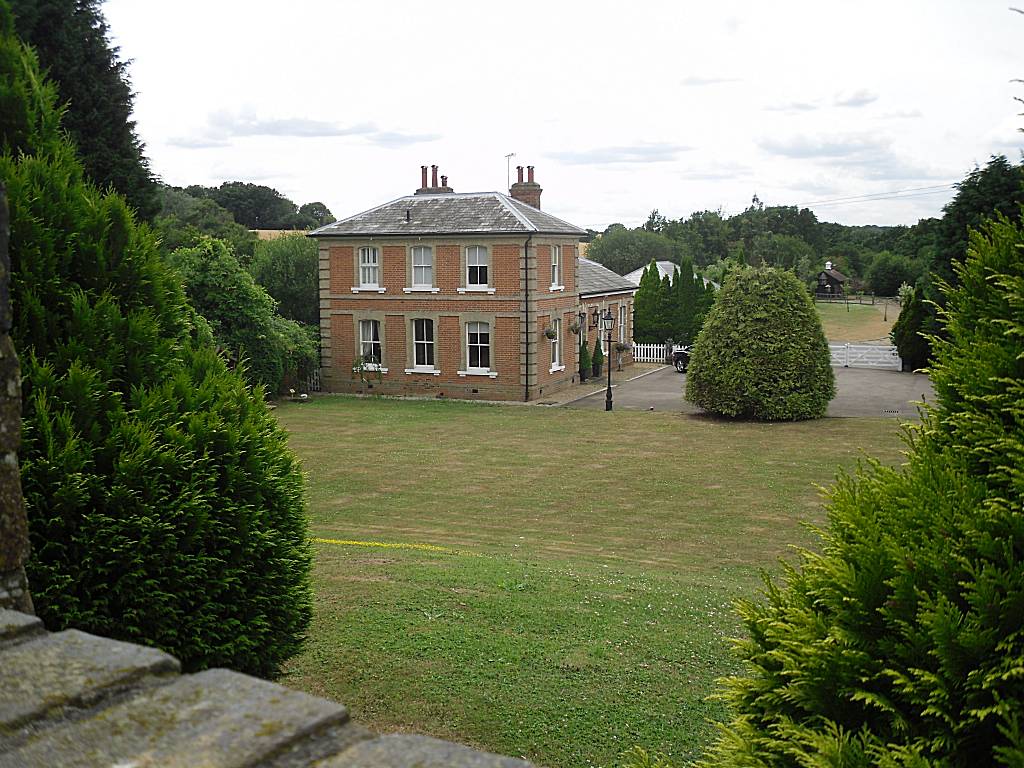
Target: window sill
pixel 427 371
pixel 555 288
pixel 374 368
pixel 419 289
pixel 481 289
pixel 473 372
pixel 556 368
pixel 367 289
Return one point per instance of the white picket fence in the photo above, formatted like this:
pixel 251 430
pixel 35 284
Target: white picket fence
pixel 865 356
pixel 649 353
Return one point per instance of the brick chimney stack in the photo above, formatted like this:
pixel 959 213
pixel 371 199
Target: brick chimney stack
pixel 526 191
pixel 434 188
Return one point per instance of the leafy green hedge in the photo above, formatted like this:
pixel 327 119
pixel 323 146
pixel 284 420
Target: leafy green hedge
pixel 902 643
pixel 164 505
pixel 277 352
pixel 907 332
pixel 762 353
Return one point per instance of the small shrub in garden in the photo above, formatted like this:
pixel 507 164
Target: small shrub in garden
pixel 585 362
pixel 597 358
pixel 902 642
pixel 164 505
pixel 761 353
pixel 913 347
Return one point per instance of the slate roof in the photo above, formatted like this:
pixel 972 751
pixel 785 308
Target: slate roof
pixel 595 278
pixel 450 214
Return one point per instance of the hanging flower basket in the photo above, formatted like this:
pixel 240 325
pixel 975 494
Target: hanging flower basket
pixel 549 332
pixel 574 326
pixel 623 346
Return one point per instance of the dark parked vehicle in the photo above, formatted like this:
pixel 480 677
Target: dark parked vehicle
pixel 681 357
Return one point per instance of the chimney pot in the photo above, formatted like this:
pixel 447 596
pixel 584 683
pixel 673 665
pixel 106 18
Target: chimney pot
pixel 423 177
pixel 519 174
pixel 433 175
pixel 444 181
pixel 529 173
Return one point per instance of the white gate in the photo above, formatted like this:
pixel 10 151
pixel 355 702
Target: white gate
pixel 865 356
pixel 649 353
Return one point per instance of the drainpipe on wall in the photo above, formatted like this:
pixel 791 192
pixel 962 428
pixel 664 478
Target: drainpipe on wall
pixel 526 304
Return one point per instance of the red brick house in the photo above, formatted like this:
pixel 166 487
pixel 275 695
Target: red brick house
pixel 451 295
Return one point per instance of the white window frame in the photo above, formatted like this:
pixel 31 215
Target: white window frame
pixel 370 365
pixel 416 367
pixel 475 251
pixel 417 253
pixel 556 268
pixel 622 323
pixel 556 347
pixel 365 266
pixel 477 370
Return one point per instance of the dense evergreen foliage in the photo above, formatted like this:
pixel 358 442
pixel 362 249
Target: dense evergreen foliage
pixel 597 356
pixel 164 505
pixel 908 332
pixel 671 308
pixel 276 352
pixel 762 353
pixel 289 268
pixel 902 642
pixel 585 362
pixel 70 38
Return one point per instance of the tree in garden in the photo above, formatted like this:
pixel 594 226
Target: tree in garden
pixel 900 642
pixel 646 307
pixel 889 270
pixel 163 502
pixel 762 353
pixel 288 268
pixel 908 332
pixel 242 316
pixel 597 357
pixel 623 250
pixel 70 38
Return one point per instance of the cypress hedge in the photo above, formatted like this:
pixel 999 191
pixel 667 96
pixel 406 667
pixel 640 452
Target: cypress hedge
pixel 164 505
pixel 761 353
pixel 902 642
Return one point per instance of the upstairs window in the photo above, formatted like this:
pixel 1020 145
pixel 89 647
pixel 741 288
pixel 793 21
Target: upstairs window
pixel 422 266
pixel 556 266
pixel 476 267
pixel 369 341
pixel 369 267
pixel 478 346
pixel 423 343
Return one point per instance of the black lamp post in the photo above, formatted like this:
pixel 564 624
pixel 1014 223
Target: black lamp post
pixel 607 321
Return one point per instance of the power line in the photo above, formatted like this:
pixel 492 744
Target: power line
pixel 883 195
pixel 881 199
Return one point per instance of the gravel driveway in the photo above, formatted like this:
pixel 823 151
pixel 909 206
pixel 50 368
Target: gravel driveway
pixel 860 392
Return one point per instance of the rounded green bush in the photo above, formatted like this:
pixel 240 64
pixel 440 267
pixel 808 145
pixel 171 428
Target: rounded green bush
pixel 164 505
pixel 762 353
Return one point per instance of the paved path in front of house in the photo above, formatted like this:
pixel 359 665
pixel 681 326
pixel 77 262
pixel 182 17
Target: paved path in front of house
pixel 860 392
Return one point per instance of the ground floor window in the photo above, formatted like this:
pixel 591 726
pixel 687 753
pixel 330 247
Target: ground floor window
pixel 369 341
pixel 423 343
pixel 556 343
pixel 478 346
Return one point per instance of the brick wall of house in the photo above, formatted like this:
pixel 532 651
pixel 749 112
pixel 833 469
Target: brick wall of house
pixel 450 307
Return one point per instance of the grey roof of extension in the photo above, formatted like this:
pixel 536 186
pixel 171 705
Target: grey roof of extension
pixel 595 278
pixel 450 214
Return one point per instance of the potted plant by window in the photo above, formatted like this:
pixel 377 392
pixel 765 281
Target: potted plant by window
pixel 575 326
pixel 597 359
pixel 585 363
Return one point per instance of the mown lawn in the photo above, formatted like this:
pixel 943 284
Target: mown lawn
pixel 857 322
pixel 549 583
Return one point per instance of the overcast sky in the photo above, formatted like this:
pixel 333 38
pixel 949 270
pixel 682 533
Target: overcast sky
pixel 621 107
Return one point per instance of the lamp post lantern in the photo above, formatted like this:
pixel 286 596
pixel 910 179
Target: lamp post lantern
pixel 607 321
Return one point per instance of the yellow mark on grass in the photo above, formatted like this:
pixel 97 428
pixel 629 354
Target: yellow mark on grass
pixel 385 545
